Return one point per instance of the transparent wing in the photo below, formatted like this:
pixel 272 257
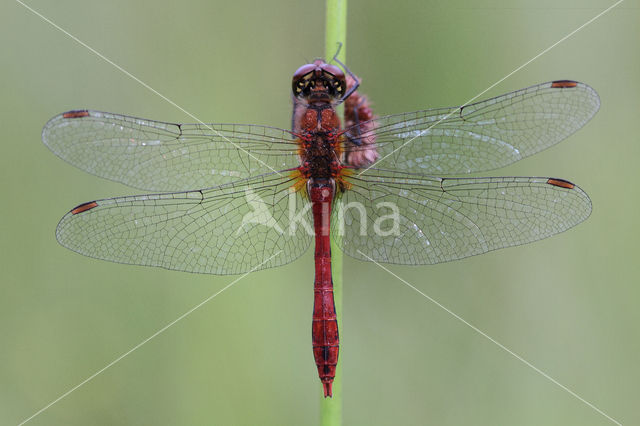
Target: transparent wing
pixel 229 229
pixel 444 219
pixel 484 135
pixel 157 156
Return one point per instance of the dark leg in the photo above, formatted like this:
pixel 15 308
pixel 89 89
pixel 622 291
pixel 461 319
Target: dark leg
pixel 293 113
pixel 355 139
pixel 352 75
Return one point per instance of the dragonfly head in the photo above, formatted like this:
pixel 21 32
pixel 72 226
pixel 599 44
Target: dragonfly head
pixel 319 81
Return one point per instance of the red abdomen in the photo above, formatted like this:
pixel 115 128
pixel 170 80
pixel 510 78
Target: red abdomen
pixel 325 324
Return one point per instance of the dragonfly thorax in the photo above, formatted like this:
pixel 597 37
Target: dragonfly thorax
pixel 319 159
pixel 319 128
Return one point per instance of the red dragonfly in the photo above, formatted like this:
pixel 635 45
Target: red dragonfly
pixel 268 191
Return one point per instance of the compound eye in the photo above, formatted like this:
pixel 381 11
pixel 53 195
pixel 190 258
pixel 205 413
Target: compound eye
pixel 298 81
pixel 302 71
pixel 334 71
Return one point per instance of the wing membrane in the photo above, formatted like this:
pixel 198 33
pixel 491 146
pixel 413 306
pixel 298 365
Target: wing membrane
pixel 229 229
pixel 158 156
pixel 485 135
pixel 444 219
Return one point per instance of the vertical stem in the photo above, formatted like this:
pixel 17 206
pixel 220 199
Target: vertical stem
pixel 335 32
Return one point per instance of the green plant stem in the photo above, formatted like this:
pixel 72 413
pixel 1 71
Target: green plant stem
pixel 335 32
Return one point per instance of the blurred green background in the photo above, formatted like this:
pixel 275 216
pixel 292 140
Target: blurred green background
pixel 567 304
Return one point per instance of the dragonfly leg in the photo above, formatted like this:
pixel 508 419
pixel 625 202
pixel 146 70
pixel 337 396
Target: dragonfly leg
pixel 355 138
pixel 351 74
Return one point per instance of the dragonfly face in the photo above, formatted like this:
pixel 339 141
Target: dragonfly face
pixel 319 82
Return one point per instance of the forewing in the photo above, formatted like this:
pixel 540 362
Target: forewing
pixel 481 136
pixel 230 229
pixel 444 219
pixel 158 156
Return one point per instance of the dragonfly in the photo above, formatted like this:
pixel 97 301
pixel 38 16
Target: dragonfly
pixel 390 189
